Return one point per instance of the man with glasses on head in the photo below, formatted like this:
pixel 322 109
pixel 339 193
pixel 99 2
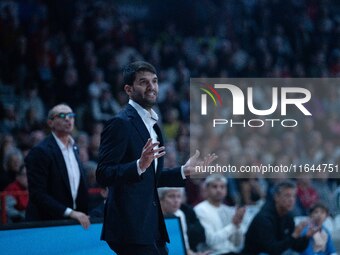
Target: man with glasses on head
pixel 56 181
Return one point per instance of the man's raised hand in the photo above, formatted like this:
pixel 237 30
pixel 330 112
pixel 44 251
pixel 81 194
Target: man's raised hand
pixel 194 161
pixel 149 153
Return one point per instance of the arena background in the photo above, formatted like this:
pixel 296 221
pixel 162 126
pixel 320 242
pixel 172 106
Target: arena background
pixel 73 52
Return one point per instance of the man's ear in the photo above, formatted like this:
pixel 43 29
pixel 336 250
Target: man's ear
pixel 128 89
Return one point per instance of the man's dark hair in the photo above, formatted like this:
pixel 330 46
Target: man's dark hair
pixel 283 185
pixel 130 71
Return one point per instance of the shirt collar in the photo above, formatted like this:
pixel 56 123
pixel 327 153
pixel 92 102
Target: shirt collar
pixel 143 113
pixel 60 143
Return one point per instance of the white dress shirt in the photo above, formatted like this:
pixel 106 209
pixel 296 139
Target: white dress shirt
pixel 149 119
pixel 222 236
pixel 72 169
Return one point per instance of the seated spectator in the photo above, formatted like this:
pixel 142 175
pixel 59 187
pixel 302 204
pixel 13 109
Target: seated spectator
pixel 90 176
pixel 94 147
pixel 104 106
pixel 10 122
pixel 273 230
pixel 324 186
pixel 195 231
pixel 98 85
pixel 171 124
pixel 17 198
pixel 98 211
pixel 30 121
pixel 33 100
pixel 223 224
pixel 336 201
pixel 321 242
pixel 171 199
pixel 250 190
pixel 306 194
pixel 12 162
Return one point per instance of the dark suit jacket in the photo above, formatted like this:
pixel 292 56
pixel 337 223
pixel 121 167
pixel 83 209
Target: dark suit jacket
pixel 132 208
pixel 48 183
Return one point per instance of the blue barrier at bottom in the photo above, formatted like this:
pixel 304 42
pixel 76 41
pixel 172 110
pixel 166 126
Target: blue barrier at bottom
pixel 69 239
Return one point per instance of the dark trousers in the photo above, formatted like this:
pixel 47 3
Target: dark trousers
pixel 158 248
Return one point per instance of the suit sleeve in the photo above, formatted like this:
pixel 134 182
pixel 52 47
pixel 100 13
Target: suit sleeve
pixel 171 178
pixel 37 163
pixel 113 151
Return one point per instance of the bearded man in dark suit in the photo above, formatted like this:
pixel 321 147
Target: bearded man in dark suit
pixel 131 165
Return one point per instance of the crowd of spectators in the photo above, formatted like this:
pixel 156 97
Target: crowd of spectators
pixel 73 52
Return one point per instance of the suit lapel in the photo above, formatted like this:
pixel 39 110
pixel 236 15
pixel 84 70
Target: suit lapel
pixel 81 170
pixel 159 134
pixel 138 123
pixel 60 162
pixel 144 133
pixel 161 143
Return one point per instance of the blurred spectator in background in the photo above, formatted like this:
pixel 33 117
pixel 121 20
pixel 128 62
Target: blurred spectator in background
pixel 36 137
pixel 336 201
pixel 98 85
pixel 70 90
pixel 171 124
pixel 10 121
pixel 320 242
pixel 104 106
pixel 94 147
pixel 98 211
pixel 307 196
pixel 90 175
pixel 17 196
pixel 273 230
pixel 250 190
pixel 31 121
pixel 57 185
pixel 223 224
pixel 325 188
pixel 171 200
pixel 12 161
pixel 32 100
pixel 8 143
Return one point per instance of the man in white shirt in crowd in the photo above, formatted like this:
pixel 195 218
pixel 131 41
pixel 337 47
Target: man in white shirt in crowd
pixel 223 224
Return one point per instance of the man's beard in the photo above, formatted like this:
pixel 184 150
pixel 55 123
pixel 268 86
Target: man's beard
pixel 145 103
pixel 149 104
